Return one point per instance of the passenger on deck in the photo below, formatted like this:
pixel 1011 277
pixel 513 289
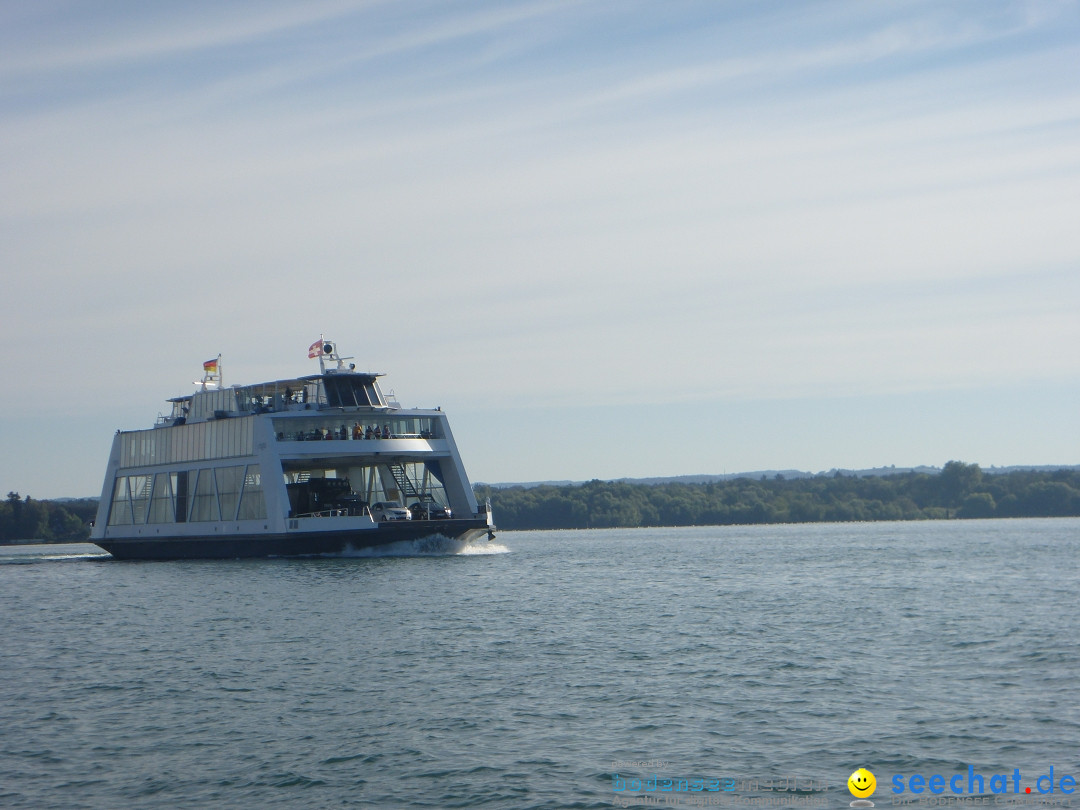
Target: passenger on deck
pixel 386 431
pixel 357 431
pixel 367 434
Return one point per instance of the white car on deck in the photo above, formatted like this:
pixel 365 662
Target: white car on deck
pixel 389 510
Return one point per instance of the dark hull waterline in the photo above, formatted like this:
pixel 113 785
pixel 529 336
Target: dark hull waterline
pixel 291 544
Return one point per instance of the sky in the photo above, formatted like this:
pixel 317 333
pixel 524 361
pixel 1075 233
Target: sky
pixel 610 239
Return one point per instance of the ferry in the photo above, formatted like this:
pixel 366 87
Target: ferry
pixel 322 464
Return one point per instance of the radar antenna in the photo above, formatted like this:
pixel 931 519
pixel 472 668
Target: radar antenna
pixel 327 350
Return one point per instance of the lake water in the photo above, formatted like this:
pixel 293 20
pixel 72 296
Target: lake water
pixel 547 669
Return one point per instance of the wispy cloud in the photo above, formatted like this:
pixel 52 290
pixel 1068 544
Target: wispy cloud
pixel 69 37
pixel 743 200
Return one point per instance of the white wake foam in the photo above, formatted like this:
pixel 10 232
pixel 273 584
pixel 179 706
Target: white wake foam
pixel 101 555
pixel 435 546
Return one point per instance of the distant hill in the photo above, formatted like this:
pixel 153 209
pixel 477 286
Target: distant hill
pixel 783 474
pixel 957 490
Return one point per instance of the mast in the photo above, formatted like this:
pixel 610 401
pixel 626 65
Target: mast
pixel 327 349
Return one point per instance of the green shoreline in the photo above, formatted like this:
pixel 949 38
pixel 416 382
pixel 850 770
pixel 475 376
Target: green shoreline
pixel 959 490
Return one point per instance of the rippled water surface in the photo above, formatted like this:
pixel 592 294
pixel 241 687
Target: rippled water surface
pixel 518 674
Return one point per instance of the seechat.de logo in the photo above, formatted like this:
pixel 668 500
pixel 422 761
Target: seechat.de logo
pixel 862 784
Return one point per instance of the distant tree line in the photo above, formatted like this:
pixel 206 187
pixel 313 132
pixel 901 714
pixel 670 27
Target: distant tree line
pixel 45 521
pixel 959 491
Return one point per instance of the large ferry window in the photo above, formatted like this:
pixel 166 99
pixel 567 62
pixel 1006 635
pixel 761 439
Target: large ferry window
pixel 252 503
pixel 140 496
pixel 120 509
pixel 161 502
pixel 229 482
pixel 205 505
pixel 181 489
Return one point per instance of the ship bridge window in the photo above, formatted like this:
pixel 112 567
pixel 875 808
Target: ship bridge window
pixel 348 392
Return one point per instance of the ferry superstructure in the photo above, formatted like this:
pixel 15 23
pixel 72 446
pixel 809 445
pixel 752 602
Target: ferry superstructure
pixel 307 466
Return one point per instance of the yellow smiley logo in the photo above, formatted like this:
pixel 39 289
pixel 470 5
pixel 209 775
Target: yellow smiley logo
pixel 862 783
